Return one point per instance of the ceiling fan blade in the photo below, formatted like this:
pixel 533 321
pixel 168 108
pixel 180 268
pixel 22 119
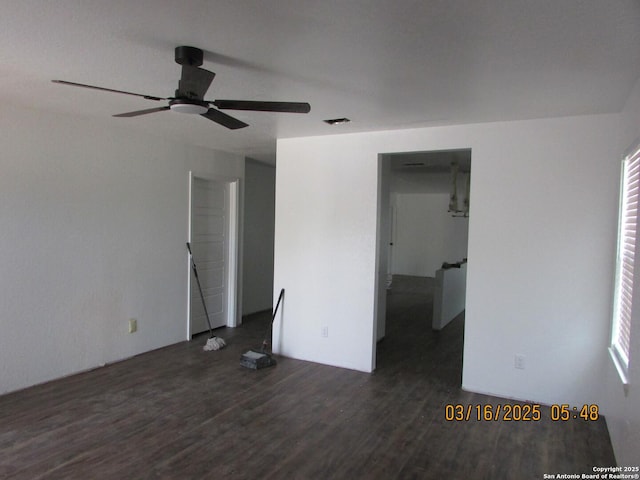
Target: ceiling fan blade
pixel 287 107
pixel 224 119
pixel 142 112
pixel 73 84
pixel 194 82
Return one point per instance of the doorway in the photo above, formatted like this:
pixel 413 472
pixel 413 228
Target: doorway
pixel 423 221
pixel 213 234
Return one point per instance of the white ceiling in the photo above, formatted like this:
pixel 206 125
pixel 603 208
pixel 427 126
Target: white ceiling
pixel 385 64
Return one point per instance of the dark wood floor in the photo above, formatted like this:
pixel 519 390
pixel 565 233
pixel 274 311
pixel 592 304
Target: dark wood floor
pixel 181 413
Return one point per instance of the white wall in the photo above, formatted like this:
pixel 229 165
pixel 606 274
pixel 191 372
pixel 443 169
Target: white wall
pixel 622 409
pixel 383 248
pixel 426 234
pixel 541 249
pixel 325 251
pixel 259 218
pixel 94 221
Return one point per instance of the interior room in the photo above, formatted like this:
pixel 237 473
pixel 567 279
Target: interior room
pixel 277 139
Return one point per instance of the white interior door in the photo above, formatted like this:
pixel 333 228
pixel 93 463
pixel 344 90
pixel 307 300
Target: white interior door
pixel 210 211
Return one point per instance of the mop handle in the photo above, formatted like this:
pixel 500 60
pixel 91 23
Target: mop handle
pixel 204 305
pixel 277 305
pixel 264 342
pixel 191 255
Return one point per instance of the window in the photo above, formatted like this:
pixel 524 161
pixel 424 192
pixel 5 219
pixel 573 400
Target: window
pixel 627 228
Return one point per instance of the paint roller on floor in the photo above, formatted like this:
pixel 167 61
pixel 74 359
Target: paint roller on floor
pixel 257 359
pixel 213 343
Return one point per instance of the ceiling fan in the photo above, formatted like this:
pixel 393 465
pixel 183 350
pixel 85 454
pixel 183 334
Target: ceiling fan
pixel 192 87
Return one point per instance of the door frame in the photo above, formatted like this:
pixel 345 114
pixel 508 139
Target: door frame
pixel 386 232
pixel 232 275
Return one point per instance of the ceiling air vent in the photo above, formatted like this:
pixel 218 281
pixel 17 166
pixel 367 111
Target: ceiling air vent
pixel 336 121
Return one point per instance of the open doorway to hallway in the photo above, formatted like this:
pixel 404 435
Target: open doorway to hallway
pixel 213 237
pixel 425 198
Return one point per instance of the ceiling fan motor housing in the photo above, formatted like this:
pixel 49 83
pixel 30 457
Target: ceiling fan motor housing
pixel 191 56
pixel 182 105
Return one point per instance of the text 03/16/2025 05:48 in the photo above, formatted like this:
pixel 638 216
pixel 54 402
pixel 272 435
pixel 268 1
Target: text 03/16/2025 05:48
pixel 528 412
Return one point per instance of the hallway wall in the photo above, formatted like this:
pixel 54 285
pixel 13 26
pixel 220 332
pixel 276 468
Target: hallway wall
pixel 425 234
pixel 259 218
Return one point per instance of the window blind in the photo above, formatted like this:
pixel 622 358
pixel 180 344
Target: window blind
pixel 626 258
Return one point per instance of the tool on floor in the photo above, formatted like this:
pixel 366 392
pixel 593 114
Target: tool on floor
pixel 257 359
pixel 213 343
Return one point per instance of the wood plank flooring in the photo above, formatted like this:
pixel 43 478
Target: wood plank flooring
pixel 181 413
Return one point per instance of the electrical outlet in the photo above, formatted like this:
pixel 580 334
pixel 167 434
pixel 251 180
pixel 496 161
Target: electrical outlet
pixel 519 362
pixel 133 325
pixel 324 331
